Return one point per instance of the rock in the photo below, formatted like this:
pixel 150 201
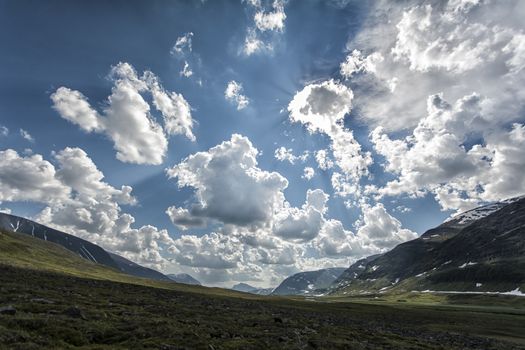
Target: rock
pixel 42 301
pixel 277 320
pixel 7 310
pixel 74 312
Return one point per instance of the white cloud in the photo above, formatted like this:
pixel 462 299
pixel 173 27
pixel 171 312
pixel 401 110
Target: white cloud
pixel 253 44
pixel 383 230
pixel 186 70
pixel 211 250
pixel 79 202
pixel 434 158
pixel 183 44
pixel 4 131
pixel 302 224
pixel 26 135
pixel 74 107
pixel 29 179
pixel 273 21
pixel 323 160
pixel 243 194
pixel 321 108
pixel 175 110
pixel 267 23
pixel 355 63
pixel 378 232
pixel 286 154
pixel 233 93
pixel 309 173
pixel 127 120
pixel 456 47
pixel 258 236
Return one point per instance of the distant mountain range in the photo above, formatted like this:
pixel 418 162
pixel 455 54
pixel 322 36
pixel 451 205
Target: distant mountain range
pixel 309 282
pixel 183 278
pixel 85 249
pixel 482 250
pixel 246 288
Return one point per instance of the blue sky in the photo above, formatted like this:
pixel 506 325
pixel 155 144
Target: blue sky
pixel 411 95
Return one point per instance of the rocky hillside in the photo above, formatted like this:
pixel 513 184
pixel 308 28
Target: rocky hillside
pixel 482 250
pixel 308 283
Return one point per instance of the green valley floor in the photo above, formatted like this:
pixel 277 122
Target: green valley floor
pixel 57 311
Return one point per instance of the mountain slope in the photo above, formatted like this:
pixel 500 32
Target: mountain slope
pixel 28 252
pixel 481 251
pixel 78 246
pixel 183 278
pixel 304 283
pixel 131 268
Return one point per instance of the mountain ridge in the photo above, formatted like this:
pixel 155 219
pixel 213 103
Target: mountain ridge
pixel 484 253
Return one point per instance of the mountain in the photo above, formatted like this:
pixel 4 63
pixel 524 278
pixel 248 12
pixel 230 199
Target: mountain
pixel 23 251
pixel 354 270
pixel 304 283
pixel 243 287
pixel 183 278
pixel 246 288
pixel 482 250
pixel 131 268
pixel 79 246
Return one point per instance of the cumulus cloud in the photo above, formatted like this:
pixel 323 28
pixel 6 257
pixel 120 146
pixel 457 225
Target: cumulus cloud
pixel 267 23
pixel 323 160
pixel 175 110
pixel 258 236
pixel 382 229
pixel 286 154
pixel 4 131
pixel 435 157
pixel 302 224
pixel 127 121
pixel 234 94
pixel 446 76
pixel 74 107
pixel 252 194
pixel 78 201
pixel 458 47
pixel 273 20
pixel 183 44
pixel 29 179
pixel 322 107
pixel 308 173
pixel 356 63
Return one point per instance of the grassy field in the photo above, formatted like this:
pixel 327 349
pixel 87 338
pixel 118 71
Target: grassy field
pixel 57 307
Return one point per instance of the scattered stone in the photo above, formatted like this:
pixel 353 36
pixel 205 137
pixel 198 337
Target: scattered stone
pixel 42 301
pixel 277 320
pixel 74 312
pixel 282 339
pixel 7 310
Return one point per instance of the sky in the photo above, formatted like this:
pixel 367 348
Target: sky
pixel 244 141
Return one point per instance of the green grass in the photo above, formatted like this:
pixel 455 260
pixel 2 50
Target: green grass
pixel 114 311
pixel 26 252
